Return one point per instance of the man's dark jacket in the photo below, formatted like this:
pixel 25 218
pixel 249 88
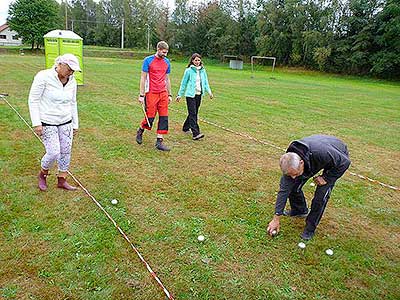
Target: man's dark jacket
pixel 319 152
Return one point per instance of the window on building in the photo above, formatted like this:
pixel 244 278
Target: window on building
pixel 3 36
pixel 15 37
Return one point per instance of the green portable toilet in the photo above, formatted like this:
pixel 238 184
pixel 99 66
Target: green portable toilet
pixel 59 42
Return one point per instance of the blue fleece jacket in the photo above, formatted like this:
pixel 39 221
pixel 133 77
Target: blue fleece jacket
pixel 188 84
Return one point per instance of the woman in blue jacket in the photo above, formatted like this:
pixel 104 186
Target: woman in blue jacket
pixel 194 85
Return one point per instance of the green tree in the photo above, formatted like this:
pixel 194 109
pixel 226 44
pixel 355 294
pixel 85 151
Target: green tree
pixel 354 46
pixel 183 25
pixel 206 28
pixel 163 27
pixel 215 30
pixel 108 32
pixel 33 18
pixel 321 56
pixel 243 14
pixel 275 32
pixel 149 13
pixel 83 19
pixel 386 61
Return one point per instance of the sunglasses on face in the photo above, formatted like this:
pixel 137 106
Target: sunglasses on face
pixel 69 68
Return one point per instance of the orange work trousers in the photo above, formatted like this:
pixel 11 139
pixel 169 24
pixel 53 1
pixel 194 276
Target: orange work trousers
pixel 156 103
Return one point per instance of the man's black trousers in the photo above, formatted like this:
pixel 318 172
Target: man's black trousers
pixel 298 203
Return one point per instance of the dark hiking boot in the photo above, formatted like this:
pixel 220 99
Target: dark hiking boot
pixel 139 136
pixel 42 180
pixel 63 184
pixel 289 213
pixel 160 145
pixel 197 137
pixel 307 235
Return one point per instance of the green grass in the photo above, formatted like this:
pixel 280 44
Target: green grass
pixel 58 245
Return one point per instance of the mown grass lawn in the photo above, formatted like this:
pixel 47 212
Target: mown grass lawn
pixel 58 245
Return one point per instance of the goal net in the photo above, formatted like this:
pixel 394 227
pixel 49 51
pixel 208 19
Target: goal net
pixel 261 60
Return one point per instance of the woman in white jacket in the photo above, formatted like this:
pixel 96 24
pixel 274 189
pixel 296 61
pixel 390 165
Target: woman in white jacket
pixel 54 115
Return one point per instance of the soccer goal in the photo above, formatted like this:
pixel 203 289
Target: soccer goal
pixel 254 58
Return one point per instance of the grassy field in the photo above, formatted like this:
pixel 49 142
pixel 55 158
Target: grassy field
pixel 58 245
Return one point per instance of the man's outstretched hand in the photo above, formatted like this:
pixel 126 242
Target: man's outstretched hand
pixel 319 180
pixel 274 226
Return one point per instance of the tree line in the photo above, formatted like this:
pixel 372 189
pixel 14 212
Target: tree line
pixel 343 36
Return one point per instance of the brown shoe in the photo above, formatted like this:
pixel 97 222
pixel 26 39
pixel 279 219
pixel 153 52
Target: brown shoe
pixel 139 135
pixel 160 145
pixel 42 180
pixel 63 184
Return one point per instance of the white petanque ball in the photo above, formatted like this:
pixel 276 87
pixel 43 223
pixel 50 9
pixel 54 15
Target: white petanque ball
pixel 114 201
pixel 301 245
pixel 274 233
pixel 329 252
pixel 201 238
pixel 312 184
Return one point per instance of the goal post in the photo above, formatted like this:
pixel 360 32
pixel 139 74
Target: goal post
pixel 262 57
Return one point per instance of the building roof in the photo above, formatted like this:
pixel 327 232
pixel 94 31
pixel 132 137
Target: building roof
pixel 4 27
pixel 63 34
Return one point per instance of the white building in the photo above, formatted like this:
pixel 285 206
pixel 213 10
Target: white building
pixel 9 37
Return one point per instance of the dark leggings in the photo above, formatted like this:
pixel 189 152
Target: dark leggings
pixel 193 105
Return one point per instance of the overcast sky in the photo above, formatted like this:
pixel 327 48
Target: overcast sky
pixel 5 3
pixel 4 10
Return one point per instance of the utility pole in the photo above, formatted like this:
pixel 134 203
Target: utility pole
pixel 148 37
pixel 122 33
pixel 66 15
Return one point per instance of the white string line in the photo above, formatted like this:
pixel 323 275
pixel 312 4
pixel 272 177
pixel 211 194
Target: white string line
pixel 284 150
pixel 153 274
pixel 374 181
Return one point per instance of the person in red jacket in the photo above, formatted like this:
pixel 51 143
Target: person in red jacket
pixel 155 94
